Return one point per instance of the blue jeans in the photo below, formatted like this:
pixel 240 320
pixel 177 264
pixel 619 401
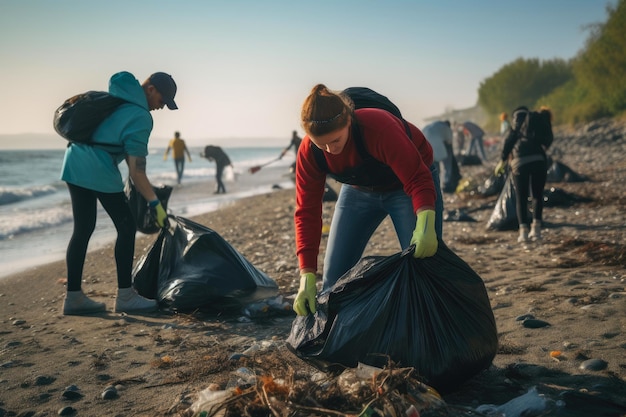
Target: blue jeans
pixel 180 167
pixel 358 214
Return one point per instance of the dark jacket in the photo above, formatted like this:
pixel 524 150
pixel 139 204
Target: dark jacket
pixel 521 149
pixel 217 154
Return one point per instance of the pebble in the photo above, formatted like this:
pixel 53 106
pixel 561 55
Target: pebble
pixel 236 356
pixel 109 393
pixel 534 323
pixel 18 322
pixel 67 411
pixel 44 380
pixel 524 317
pixel 594 365
pixel 72 393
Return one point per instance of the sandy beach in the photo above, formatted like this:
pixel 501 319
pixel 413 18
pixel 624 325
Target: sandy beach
pixel 574 279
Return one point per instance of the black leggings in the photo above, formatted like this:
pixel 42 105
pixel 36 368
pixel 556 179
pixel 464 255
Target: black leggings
pixel 531 178
pixel 84 211
pixel 219 170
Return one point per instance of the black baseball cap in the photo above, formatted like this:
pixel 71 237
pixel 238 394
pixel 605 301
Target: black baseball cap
pixel 165 85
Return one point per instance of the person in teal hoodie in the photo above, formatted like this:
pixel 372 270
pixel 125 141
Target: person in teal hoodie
pixel 92 174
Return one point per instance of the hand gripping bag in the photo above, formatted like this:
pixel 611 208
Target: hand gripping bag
pixel 432 314
pixel 191 267
pixel 146 223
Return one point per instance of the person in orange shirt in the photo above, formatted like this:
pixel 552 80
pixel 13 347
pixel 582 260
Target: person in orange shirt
pixel 179 149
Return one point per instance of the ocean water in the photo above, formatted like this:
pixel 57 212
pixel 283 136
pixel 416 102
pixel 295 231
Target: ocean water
pixel 35 208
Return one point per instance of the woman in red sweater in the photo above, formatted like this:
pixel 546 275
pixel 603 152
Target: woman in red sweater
pixel 383 171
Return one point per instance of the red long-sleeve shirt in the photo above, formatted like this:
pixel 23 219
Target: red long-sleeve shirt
pixel 385 139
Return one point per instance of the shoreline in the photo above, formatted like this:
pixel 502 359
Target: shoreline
pixel 191 199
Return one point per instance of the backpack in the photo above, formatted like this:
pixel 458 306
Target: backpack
pixel 364 97
pixel 537 128
pixel 79 116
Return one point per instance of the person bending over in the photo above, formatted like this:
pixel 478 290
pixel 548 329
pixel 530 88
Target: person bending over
pixel 398 180
pixel 92 174
pixel 217 154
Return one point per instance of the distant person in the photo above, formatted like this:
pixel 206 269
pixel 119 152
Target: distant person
pixel 294 143
pixel 217 154
pixel 179 149
pixel 439 135
pixel 505 125
pixel 459 139
pixel 529 168
pixel 92 175
pixel 399 180
pixel 475 134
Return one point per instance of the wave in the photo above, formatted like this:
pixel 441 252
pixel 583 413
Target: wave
pixel 25 221
pixel 14 195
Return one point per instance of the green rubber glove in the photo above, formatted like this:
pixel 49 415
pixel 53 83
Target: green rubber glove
pixel 424 236
pixel 306 295
pixel 158 213
pixel 500 168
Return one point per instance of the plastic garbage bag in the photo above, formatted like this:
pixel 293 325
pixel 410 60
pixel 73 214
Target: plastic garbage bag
pixel 469 160
pixel 559 172
pixel 139 206
pixel 431 314
pixel 197 269
pixel 556 197
pixel 504 215
pixel 530 404
pixel 493 185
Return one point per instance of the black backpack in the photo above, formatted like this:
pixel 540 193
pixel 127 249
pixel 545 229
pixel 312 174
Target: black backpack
pixel 364 97
pixel 79 116
pixel 537 128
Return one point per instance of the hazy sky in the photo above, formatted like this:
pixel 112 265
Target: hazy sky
pixel 243 68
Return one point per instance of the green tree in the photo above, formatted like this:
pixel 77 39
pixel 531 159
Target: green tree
pixel 600 68
pixel 522 82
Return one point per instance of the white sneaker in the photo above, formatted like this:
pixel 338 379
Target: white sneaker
pixel 128 301
pixel 77 304
pixel 523 234
pixel 535 231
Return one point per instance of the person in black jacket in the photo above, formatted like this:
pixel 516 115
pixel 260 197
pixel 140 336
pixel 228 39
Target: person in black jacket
pixel 217 154
pixel 529 167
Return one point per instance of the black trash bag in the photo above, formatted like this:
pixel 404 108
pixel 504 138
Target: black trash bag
pixel 146 271
pixel 556 197
pixel 504 215
pixel 199 270
pixel 469 160
pixel 432 314
pixel 559 172
pixel 492 185
pixel 458 215
pixel 146 223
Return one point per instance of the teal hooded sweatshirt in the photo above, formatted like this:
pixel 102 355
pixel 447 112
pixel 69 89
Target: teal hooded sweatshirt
pixel 129 126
